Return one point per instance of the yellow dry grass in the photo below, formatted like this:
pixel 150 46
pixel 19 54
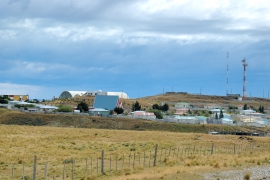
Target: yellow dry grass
pixel 19 144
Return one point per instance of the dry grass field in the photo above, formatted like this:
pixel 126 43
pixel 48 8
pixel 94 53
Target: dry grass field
pixel 179 156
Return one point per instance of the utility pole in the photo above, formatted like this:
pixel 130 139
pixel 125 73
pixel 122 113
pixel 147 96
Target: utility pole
pixel 227 73
pixel 244 63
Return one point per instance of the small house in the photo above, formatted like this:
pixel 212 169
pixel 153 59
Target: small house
pixel 99 112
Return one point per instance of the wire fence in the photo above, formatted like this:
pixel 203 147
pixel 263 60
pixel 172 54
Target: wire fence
pixel 116 164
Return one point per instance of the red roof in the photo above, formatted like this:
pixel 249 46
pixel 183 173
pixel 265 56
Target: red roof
pixel 143 113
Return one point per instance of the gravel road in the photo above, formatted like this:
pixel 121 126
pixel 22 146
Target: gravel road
pixel 256 173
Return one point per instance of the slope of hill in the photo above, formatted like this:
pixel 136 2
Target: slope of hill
pixel 147 102
pixel 18 118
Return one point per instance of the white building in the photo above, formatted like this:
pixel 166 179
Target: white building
pixel 72 94
pixel 226 121
pixel 247 112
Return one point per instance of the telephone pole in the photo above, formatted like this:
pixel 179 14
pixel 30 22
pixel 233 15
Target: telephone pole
pixel 244 63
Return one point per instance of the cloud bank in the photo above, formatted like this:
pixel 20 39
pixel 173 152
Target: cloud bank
pixel 141 47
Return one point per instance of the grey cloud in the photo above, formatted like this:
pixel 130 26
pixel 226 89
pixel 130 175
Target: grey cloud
pixel 125 15
pixel 20 3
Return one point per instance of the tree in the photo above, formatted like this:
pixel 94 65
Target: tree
pixel 261 109
pixel 111 112
pixel 157 113
pixel 245 107
pixel 33 101
pixel 216 116
pixel 83 107
pixel 3 100
pixel 221 114
pixel 156 106
pixel 165 107
pixel 136 106
pixel 62 108
pixel 118 110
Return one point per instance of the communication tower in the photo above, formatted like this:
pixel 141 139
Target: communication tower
pixel 227 74
pixel 244 63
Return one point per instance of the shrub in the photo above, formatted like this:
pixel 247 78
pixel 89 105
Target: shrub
pixel 62 108
pixel 157 113
pixel 247 176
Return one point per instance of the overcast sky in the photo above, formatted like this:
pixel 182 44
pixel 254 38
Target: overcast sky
pixel 140 47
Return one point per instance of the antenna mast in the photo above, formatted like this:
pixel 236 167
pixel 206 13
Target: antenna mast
pixel 227 73
pixel 245 80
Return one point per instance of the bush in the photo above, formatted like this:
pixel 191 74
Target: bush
pixel 118 110
pixel 3 101
pixel 157 113
pixel 25 106
pixel 62 108
pixel 247 176
pixel 83 107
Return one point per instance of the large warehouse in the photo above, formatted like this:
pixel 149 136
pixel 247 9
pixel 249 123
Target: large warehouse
pixel 17 97
pixel 72 94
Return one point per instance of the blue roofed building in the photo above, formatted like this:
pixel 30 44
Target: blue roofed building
pixel 107 102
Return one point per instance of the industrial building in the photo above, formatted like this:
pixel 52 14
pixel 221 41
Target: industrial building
pixel 73 94
pixel 17 97
pixel 107 102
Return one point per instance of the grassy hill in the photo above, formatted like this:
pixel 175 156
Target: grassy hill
pixel 147 102
pixel 57 120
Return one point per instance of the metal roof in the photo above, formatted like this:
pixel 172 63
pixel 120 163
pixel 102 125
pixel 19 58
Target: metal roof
pixel 105 102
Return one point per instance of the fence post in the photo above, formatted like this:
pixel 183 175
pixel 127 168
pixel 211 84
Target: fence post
pixel 23 173
pixel 143 158
pixel 97 166
pixel 160 155
pixel 155 157
pixel 35 168
pixel 212 150
pixel 86 167
pixel 45 171
pixel 91 167
pixel 12 171
pixel 110 162
pixel 123 162
pixel 73 161
pixel 116 162
pixel 64 170
pixel 133 160
pixel 234 149
pixel 129 159
pixel 150 159
pixel 194 148
pixel 102 162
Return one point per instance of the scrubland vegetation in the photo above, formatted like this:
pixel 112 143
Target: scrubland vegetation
pixel 190 154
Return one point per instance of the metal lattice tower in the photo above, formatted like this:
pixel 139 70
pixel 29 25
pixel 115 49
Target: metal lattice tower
pixel 245 79
pixel 227 74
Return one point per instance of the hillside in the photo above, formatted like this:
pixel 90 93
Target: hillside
pixel 18 118
pixel 147 102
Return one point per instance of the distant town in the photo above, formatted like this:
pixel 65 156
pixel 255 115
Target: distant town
pixel 229 110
